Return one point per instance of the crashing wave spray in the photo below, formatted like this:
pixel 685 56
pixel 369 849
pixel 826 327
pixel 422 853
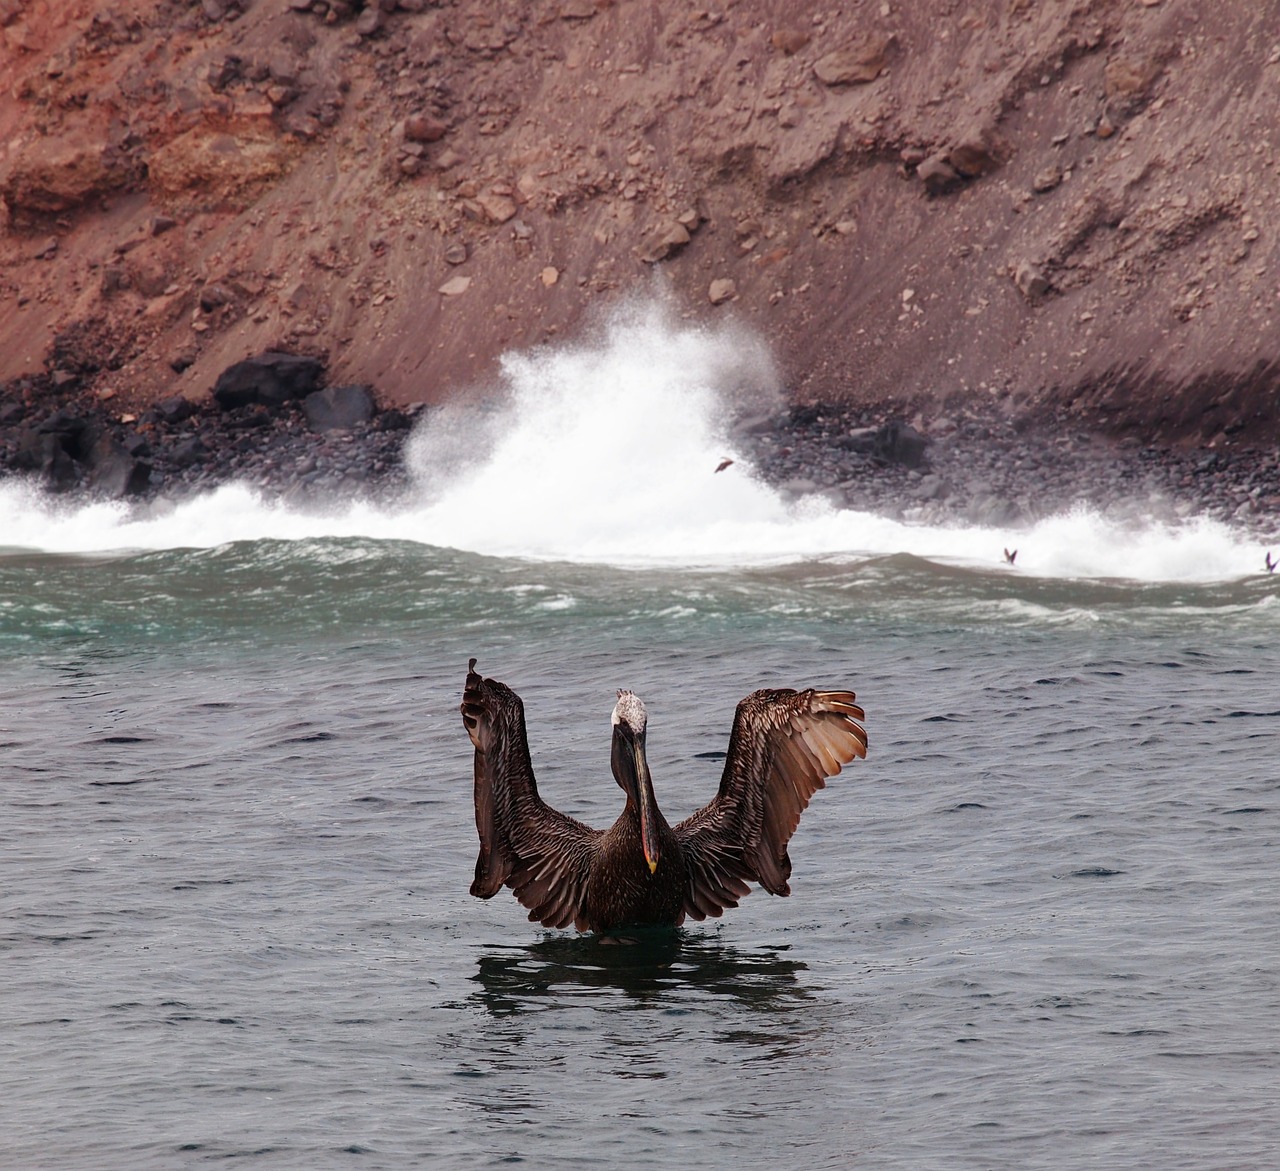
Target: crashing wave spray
pixel 603 451
pixel 606 451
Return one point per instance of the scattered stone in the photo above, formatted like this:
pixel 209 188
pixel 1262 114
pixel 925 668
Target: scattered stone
pixel 1031 282
pixel 894 442
pixel 338 407
pixel 664 242
pixel 175 408
pixel 392 419
pixel 370 21
pixel 974 156
pixel 45 455
pixel 214 296
pixel 455 254
pixel 498 207
pixel 186 452
pixel 159 224
pixel 932 487
pixel 46 249
pixel 1128 78
pixel 789 41
pixel 722 290
pixel 424 128
pixel 577 9
pixel 1046 180
pixel 550 275
pixel 856 65
pixel 114 473
pixel 455 286
pixel 938 175
pixel 272 378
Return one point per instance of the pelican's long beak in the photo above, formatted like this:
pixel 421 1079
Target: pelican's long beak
pixel 648 806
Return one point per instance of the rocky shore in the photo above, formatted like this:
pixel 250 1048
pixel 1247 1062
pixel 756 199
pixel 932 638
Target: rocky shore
pixel 979 465
pixel 271 423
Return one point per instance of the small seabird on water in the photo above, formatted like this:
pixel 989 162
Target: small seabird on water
pixel 1271 562
pixel 724 463
pixel 1010 557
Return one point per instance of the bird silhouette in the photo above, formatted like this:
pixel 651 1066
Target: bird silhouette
pixel 1009 557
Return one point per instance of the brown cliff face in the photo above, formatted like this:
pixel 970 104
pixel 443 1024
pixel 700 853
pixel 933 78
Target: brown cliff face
pixel 1069 207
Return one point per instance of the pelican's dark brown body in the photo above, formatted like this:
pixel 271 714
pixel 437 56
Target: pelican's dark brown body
pixel 642 871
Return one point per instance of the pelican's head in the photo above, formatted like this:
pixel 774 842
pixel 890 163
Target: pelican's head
pixel 629 714
pixel 631 769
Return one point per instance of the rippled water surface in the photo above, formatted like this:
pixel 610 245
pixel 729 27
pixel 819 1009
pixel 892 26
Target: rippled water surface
pixel 1037 927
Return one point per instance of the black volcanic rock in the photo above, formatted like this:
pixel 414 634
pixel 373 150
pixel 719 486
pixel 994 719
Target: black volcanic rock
pixel 338 407
pixel 114 472
pixel 272 378
pixel 44 454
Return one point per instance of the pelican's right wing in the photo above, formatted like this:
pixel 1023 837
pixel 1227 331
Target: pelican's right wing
pixel 541 854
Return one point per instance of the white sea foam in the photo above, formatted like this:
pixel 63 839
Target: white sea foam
pixel 606 451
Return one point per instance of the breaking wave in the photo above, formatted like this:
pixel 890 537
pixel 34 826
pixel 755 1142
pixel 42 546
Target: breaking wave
pixel 606 451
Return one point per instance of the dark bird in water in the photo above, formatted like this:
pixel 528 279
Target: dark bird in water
pixel 1010 557
pixel 1271 563
pixel 642 871
pixel 724 463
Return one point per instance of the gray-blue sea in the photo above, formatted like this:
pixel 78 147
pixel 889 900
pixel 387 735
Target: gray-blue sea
pixel 1036 928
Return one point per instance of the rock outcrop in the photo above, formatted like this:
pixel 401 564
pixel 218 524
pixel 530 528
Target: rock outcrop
pixel 1079 197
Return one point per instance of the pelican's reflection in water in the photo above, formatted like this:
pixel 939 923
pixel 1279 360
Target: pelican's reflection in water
pixel 729 1041
pixel 659 968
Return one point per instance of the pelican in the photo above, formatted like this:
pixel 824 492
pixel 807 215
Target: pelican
pixel 642 871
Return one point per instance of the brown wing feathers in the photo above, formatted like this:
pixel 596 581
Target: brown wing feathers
pixel 524 843
pixel 783 747
pixel 820 736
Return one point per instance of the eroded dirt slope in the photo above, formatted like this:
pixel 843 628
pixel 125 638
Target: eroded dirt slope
pixel 1066 206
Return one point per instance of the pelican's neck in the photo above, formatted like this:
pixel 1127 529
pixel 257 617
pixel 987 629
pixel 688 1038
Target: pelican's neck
pixel 631 771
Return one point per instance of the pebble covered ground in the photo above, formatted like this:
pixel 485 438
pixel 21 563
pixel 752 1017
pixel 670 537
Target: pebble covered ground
pixel 980 466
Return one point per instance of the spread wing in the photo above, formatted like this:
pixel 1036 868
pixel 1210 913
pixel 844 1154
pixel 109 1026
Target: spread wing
pixel 783 747
pixel 541 854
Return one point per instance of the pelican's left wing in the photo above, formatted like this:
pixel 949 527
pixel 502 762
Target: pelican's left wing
pixel 539 852
pixel 783 747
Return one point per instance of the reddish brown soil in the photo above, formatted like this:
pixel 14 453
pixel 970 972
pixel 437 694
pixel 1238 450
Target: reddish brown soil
pixel 1065 206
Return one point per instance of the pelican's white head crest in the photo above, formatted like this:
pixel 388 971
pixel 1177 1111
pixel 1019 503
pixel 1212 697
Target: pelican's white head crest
pixel 630 711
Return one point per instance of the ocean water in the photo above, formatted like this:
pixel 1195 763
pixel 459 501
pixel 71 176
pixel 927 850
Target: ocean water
pixel 1036 927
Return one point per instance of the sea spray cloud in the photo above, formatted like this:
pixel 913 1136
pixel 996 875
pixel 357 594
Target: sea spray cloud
pixel 602 449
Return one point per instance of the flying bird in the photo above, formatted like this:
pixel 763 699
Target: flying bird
pixel 1271 562
pixel 643 871
pixel 1010 557
pixel 724 463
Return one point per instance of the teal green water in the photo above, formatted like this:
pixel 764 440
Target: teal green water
pixel 1035 928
